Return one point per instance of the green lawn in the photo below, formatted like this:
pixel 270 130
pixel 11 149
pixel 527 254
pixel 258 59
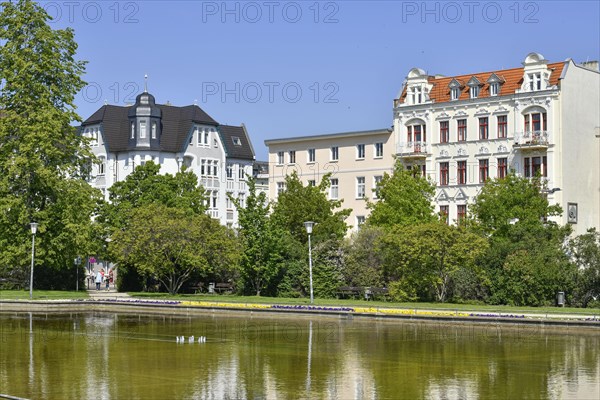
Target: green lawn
pixel 361 303
pixel 42 294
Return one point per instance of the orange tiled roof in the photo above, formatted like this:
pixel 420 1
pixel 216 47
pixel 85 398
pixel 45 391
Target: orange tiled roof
pixel 513 80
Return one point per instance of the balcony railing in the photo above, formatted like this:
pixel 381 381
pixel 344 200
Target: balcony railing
pixel 213 213
pixel 209 182
pixel 413 150
pixel 532 140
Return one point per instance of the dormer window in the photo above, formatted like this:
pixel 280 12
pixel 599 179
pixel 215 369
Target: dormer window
pixel 494 89
pixel 236 141
pixel 454 93
pixel 455 89
pixel 535 81
pixel 474 86
pixel 416 95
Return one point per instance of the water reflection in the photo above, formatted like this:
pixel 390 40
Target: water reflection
pixel 115 356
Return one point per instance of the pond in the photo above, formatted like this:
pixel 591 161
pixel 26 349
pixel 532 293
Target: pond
pixel 122 356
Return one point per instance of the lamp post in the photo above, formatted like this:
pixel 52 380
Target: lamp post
pixel 34 226
pixel 309 227
pixel 77 264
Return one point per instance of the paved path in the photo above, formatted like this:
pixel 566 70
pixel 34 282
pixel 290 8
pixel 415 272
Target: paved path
pixel 104 294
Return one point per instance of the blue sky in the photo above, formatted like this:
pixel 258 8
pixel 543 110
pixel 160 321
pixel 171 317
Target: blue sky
pixel 293 68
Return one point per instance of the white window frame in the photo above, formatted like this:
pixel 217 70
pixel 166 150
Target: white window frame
pixel 334 189
pixel 454 93
pixel 334 153
pixel 360 151
pixel 494 88
pixel 378 150
pixel 142 129
pixel 361 187
pixel 376 180
pixel 280 157
pixel 292 157
pixel 474 92
pixel 311 155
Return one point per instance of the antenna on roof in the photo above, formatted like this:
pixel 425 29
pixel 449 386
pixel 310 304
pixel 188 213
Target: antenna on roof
pixel 146 83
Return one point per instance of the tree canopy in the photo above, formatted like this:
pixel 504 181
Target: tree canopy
pixel 405 198
pixel 42 157
pixel 298 204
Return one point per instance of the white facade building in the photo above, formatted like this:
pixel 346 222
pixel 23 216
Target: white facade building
pixel 542 118
pixel 125 137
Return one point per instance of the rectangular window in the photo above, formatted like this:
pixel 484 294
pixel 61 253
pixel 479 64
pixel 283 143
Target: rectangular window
pixel 535 81
pixel 474 91
pixel 333 190
pixel 312 183
pixel 376 180
pixel 483 128
pixel 444 173
pixel 444 211
pixel 360 151
pixel 202 167
pixel 502 126
pixel 241 172
pixel 484 170
pixel 142 129
pixel 205 137
pixel 454 93
pixel 335 153
pixel 502 167
pixel 527 167
pixel 360 187
pixel 444 131
pixel 462 129
pixel 280 187
pixel 280 156
pixel 311 155
pixel 292 155
pixel 229 171
pixel 154 131
pixel 461 211
pixel 215 198
pixel 360 221
pixel 461 172
pixel 494 89
pixel 378 150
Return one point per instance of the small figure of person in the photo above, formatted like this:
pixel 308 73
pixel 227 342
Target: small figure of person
pixel 99 277
pixel 107 279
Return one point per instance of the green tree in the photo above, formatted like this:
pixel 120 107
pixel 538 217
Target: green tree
pixel 170 245
pixel 424 259
pixel 405 198
pixel 145 186
pixel 363 263
pixel 42 157
pixel 585 253
pixel 299 203
pixel 513 213
pixel 262 242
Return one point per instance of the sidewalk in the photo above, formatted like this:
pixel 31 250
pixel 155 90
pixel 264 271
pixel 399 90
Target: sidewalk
pixel 104 294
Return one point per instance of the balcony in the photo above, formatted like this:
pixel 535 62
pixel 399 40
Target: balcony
pixel 209 182
pixel 213 213
pixel 413 150
pixel 535 140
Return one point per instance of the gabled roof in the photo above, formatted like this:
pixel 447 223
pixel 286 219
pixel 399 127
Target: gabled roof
pixel 512 80
pixel 236 141
pixel 176 125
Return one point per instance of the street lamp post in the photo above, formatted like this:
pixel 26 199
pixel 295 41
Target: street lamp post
pixel 34 226
pixel 77 264
pixel 309 227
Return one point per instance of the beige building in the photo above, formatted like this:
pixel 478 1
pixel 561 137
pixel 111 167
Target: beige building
pixel 356 161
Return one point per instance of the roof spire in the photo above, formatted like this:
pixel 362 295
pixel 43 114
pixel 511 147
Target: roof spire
pixel 146 83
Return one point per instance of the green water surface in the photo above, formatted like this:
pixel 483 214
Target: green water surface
pixel 124 356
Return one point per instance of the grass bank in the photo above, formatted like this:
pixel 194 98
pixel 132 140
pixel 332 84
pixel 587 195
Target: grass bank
pixel 42 295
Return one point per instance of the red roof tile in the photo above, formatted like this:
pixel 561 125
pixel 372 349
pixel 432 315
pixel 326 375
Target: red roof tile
pixel 513 80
